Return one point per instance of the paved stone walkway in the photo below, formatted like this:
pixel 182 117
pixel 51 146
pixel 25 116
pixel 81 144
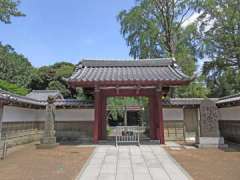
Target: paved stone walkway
pixel 147 162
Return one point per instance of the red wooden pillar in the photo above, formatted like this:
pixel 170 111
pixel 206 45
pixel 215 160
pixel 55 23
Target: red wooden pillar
pixel 151 118
pixel 159 116
pixel 97 117
pixel 103 124
pixel 100 117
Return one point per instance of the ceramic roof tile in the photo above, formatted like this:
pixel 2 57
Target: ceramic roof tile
pixel 229 99
pixel 101 71
pixel 42 95
pixel 13 98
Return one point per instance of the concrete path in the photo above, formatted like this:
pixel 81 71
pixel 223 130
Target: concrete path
pixel 147 162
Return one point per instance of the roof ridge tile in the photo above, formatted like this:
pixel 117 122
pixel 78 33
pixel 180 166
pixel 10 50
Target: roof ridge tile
pixel 126 63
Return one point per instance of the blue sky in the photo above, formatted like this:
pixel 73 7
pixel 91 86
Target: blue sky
pixel 57 30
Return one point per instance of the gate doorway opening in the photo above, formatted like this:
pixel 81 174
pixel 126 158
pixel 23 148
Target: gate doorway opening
pixel 128 112
pixel 154 97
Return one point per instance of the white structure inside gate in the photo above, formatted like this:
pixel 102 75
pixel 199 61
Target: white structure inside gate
pixel 128 134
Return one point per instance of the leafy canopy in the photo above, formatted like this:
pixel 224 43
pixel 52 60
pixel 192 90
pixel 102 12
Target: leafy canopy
pixel 18 71
pixel 8 9
pixel 15 68
pixel 118 105
pixel 221 35
pixel 153 29
pixel 52 77
pixel 13 88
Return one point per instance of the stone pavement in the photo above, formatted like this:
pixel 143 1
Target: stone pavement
pixel 147 162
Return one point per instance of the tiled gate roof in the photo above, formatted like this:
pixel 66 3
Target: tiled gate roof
pixel 115 72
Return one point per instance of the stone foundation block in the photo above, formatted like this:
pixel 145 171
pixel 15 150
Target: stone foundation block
pixel 47 146
pixel 212 142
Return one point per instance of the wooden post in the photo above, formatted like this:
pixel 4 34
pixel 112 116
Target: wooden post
pixel 97 115
pixel 104 120
pixel 100 117
pixel 152 118
pixel 1 114
pixel 198 126
pixel 159 115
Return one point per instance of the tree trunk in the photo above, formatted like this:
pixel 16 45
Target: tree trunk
pixel 125 115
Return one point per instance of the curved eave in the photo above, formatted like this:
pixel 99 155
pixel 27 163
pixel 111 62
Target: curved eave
pixel 10 98
pixel 77 83
pixel 165 75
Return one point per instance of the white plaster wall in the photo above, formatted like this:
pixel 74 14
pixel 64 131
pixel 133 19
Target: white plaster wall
pixel 230 113
pixel 75 115
pixel 173 114
pixel 1 113
pixel 41 115
pixel 17 114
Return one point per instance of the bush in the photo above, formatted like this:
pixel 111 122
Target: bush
pixel 13 88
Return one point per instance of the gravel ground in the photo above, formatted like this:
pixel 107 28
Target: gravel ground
pixel 29 163
pixel 209 164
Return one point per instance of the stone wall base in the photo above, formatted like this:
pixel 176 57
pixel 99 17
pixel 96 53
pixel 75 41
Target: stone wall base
pixel 47 146
pixel 2 150
pixel 212 142
pixel 230 130
pixel 48 140
pixel 23 137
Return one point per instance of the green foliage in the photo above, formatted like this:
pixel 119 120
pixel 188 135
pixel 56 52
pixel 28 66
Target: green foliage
pixel 81 96
pixel 195 89
pixel 187 53
pixel 187 49
pixel 118 105
pixel 221 45
pixel 57 85
pixel 140 32
pixel 153 29
pixel 52 77
pixel 13 88
pixel 63 69
pixel 15 68
pixel 145 31
pixel 227 83
pixel 8 8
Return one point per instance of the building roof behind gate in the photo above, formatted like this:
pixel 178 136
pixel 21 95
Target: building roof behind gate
pixel 42 95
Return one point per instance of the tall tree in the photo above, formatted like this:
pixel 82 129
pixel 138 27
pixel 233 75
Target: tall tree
pixel 8 9
pixel 153 29
pixel 52 77
pixel 221 34
pixel 171 14
pixel 14 67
